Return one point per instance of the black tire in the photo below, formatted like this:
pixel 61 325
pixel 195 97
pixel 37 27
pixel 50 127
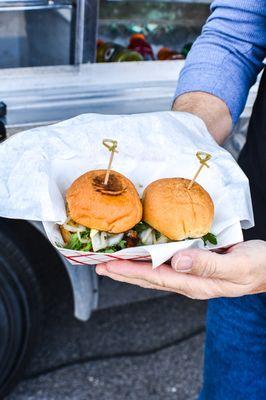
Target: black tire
pixel 20 312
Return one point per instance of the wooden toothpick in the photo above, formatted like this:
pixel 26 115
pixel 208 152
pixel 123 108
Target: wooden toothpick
pixel 111 146
pixel 203 158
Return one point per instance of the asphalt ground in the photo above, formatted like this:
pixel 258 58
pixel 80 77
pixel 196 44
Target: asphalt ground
pixel 135 347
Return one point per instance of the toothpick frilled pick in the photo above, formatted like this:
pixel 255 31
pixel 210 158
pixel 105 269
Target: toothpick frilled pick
pixel 203 158
pixel 111 146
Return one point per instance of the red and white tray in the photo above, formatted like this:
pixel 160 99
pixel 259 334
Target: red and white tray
pixel 157 254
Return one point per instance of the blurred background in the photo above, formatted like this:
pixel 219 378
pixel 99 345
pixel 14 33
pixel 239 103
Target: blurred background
pixel 64 334
pixel 41 33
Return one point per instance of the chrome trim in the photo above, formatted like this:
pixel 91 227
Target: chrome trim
pixel 84 283
pixel 79 16
pixel 43 95
pixel 28 5
pixel 91 30
pixel 167 1
pixel 84 22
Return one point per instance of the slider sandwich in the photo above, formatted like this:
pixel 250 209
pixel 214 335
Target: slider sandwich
pixel 177 211
pixel 101 217
pixel 110 217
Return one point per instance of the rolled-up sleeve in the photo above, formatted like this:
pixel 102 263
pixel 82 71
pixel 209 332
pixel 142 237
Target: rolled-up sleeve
pixel 227 57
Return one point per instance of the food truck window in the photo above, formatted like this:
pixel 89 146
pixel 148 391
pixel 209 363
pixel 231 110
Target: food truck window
pixel 157 29
pixel 61 32
pixel 57 41
pixel 47 32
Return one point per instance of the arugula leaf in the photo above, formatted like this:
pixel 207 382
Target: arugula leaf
pixel 87 247
pixel 119 246
pixel 86 234
pixel 210 237
pixel 140 227
pixel 157 235
pixel 122 244
pixel 74 243
pixel 109 250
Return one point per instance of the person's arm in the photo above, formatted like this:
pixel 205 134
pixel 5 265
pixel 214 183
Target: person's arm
pixel 223 64
pixel 220 69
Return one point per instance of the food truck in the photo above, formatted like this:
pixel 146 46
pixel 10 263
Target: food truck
pixel 59 59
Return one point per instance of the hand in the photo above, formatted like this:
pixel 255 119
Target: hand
pixel 199 274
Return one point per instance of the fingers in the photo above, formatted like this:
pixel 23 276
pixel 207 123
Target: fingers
pixel 189 285
pixel 162 278
pixel 207 274
pixel 138 270
pixel 208 264
pixel 133 281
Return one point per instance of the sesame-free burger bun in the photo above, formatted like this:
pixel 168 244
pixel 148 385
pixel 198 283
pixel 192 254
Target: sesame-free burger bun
pixel 176 211
pixel 114 208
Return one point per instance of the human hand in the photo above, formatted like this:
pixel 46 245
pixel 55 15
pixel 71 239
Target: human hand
pixel 199 274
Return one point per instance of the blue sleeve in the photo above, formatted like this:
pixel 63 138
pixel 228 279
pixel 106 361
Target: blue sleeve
pixel 226 59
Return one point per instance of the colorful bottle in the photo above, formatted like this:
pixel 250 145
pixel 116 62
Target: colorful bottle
pixel 167 54
pixel 112 52
pixel 138 43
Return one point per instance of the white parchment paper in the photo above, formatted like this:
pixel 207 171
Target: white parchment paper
pixel 40 164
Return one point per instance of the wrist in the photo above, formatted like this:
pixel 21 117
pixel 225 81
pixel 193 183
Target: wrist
pixel 212 110
pixel 254 265
pixel 261 270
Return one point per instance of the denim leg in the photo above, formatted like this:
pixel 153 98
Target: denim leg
pixel 235 350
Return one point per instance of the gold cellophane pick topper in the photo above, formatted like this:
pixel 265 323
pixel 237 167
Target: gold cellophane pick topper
pixel 203 158
pixel 112 147
pixel 109 183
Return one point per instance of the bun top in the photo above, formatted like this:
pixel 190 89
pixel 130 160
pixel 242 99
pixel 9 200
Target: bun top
pixel 175 211
pixel 113 208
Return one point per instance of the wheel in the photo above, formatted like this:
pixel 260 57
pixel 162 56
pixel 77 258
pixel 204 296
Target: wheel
pixel 20 311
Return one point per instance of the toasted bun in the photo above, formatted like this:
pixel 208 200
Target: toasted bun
pixel 175 211
pixel 116 208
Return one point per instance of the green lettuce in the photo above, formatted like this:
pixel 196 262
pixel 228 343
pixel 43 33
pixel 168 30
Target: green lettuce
pixel 210 237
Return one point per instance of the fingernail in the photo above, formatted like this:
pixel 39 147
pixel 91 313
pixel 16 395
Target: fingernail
pixel 183 264
pixel 99 270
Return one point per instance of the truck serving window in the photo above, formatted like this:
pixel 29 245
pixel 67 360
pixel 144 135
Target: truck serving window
pixel 61 58
pixel 36 33
pixel 169 26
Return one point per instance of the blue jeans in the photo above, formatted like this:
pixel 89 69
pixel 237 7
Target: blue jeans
pixel 235 352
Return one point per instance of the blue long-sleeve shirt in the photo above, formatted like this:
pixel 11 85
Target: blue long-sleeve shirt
pixel 226 59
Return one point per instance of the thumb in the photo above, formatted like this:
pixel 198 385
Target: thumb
pixel 205 263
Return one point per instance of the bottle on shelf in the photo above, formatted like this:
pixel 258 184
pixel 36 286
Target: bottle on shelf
pixel 167 54
pixel 138 43
pixel 113 52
